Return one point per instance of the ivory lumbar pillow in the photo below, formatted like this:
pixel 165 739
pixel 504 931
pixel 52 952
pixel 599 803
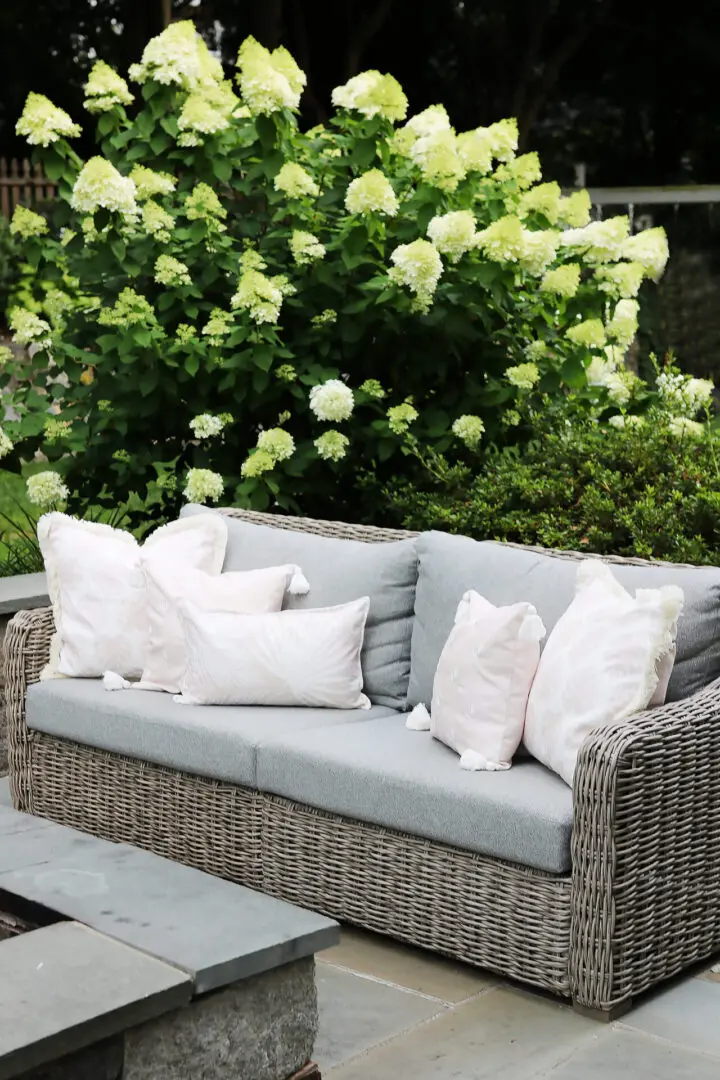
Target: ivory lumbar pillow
pixel 96 583
pixel 602 663
pixel 483 680
pixel 301 657
pixel 249 592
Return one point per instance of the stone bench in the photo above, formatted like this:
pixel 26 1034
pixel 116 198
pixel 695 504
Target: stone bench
pixel 163 972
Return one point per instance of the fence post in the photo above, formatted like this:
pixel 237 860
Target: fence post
pixel 22 183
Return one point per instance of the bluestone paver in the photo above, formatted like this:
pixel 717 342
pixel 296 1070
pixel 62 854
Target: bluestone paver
pixel 629 1055
pixel 687 1013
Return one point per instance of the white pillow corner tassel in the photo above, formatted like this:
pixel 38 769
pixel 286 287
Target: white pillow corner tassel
pixel 418 719
pixel 472 761
pixel 113 681
pixel 299 584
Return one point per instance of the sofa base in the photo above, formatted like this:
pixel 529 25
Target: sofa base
pixel 604 1016
pixel 492 914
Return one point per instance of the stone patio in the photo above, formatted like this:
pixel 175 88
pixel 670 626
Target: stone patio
pixel 388 1011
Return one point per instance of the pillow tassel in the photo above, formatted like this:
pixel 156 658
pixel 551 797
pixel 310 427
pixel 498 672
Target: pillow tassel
pixel 299 585
pixel 472 761
pixel 419 719
pixel 113 681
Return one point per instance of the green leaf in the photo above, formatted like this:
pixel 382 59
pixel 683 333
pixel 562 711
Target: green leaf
pixel 53 168
pixel 267 132
pixel 142 338
pixel 118 249
pixel 573 373
pixel 148 381
pixel 108 342
pixel 164 301
pixel 102 218
pixel 363 153
pixel 192 364
pixel 105 124
pixel 222 169
pixel 356 240
pixel 159 142
pixel 260 381
pixel 262 357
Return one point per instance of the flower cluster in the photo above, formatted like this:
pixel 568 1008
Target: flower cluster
pixel 621 279
pixel 469 429
pixel 268 81
pixel 400 417
pixel 178 57
pixel 682 395
pixel 453 234
pixel 100 185
pixel 56 429
pixel 305 247
pixel 626 420
pixel 149 183
pixel 371 193
pixel 575 209
pixel 206 426
pixel 202 204
pixel 6 445
pixel 26 223
pixel 332 445
pixel 587 332
pixel 206 112
pixel 46 489
pixel 157 222
pixel 105 89
pixel 43 123
pixel 218 326
pixel 623 326
pixel 203 485
pixel 286 373
pixel 523 376
pixel 172 272
pixel 259 295
pixel 295 181
pixel 418 267
pixel 372 94
pixel 277 443
pixel 523 172
pixel 326 318
pixel 256 464
pixel 508 241
pixel 130 309
pixel 650 249
pixel 544 199
pixel 332 401
pixel 681 427
pixel 600 241
pixel 438 159
pixel 185 333
pixel 478 148
pixel 563 281
pixel 373 388
pixel 28 328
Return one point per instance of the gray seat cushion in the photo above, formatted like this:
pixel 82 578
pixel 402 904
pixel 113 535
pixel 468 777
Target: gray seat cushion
pixel 381 773
pixel 449 565
pixel 339 571
pixel 216 741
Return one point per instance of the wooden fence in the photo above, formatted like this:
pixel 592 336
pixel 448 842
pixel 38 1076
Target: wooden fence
pixel 21 182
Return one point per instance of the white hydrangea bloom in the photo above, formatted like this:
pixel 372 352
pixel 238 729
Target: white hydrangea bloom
pixel 622 421
pixel 259 295
pixel 372 94
pixel 203 485
pixel 430 120
pixel 332 401
pixel 332 445
pixel 99 184
pixel 28 328
pixel 523 376
pixel 26 223
pixel 620 280
pixel 623 326
pixel 417 267
pixel 400 417
pixel 371 193
pixel 149 183
pixel 438 159
pixel 6 444
pixel 539 248
pixel 43 123
pixel 172 272
pixel 305 247
pixel 178 57
pixel 276 442
pixel 683 395
pixel 469 429
pixel 105 89
pixel 682 427
pixel 295 181
pixel 269 81
pixel 453 234
pixel 206 426
pixel 650 249
pixel 204 114
pixel 46 489
pixel 157 222
pixel 602 241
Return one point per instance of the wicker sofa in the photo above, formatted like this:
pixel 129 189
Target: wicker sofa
pixel 637 902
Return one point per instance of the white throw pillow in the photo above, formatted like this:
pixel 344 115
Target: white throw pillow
pixel 309 657
pixel 96 583
pixel 601 664
pixel 251 592
pixel 483 680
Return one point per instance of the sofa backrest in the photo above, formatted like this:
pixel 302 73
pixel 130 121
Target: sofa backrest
pixel 506 574
pixel 341 564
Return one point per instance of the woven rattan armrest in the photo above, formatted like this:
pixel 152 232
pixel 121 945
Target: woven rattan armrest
pixel 646 850
pixel 27 650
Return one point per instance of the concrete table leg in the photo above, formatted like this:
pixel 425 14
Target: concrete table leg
pixel 263 1027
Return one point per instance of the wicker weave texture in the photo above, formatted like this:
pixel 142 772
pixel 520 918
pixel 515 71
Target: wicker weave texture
pixel 480 910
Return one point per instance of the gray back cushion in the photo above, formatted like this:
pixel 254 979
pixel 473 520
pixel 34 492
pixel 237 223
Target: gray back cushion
pixel 339 571
pixel 449 565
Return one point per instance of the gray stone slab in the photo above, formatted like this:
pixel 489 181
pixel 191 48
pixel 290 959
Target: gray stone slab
pixel 66 987
pixel 629 1055
pixel 688 1013
pixel 357 1013
pixel 5 797
pixel 28 841
pixel 22 592
pixel 215 930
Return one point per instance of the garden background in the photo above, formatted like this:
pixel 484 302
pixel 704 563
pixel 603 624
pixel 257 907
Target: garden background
pixel 464 405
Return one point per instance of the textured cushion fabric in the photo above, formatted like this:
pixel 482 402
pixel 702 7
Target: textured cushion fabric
pixel 449 565
pixel 304 658
pixel 218 742
pixel 600 665
pixel 252 592
pixel 97 587
pixel 483 680
pixel 339 571
pixel 380 773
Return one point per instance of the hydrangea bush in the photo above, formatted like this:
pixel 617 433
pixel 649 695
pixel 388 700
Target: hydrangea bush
pixel 253 313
